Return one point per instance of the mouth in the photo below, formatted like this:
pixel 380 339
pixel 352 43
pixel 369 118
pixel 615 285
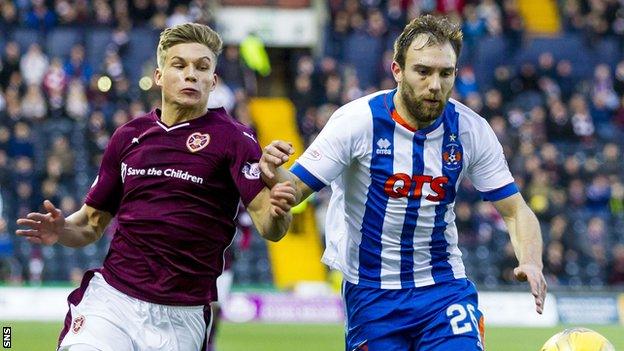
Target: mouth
pixel 431 101
pixel 189 91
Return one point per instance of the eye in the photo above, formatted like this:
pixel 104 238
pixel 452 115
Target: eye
pixel 422 71
pixel 447 74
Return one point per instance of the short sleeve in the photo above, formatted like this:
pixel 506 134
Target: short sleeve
pixel 107 189
pixel 489 171
pixel 244 166
pixel 328 155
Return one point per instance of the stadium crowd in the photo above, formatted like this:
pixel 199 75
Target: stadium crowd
pixel 70 70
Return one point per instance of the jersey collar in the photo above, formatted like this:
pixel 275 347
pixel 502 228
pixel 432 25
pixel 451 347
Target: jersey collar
pixel 389 99
pixel 156 112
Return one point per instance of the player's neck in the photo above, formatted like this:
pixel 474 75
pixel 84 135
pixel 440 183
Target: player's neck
pixel 172 114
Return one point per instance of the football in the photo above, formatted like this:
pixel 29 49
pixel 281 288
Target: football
pixel 577 339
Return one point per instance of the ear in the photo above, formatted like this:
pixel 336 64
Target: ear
pixel 397 72
pixel 214 82
pixel 158 77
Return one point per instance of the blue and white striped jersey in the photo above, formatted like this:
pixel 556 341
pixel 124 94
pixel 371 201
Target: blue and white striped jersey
pixel 390 222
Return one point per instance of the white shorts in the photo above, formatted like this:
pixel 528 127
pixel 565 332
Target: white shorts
pixel 110 320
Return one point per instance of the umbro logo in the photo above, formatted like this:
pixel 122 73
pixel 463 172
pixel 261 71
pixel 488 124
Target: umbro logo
pixel 135 140
pixel 383 147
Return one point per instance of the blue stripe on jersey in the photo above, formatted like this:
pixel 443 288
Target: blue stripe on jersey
pixel 452 163
pixel 500 193
pixel 376 199
pixel 411 214
pixel 308 178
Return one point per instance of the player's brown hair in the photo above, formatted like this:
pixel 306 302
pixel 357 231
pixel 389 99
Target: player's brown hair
pixel 187 33
pixel 438 29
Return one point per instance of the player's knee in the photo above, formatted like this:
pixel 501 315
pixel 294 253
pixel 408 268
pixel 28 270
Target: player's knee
pixel 79 347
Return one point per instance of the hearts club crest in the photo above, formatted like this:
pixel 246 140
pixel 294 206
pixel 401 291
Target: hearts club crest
pixel 197 141
pixel 78 323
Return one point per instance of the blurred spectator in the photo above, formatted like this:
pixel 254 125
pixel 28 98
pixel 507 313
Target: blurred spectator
pixel 103 13
pixel 35 269
pixel 475 29
pixel 582 122
pixel 616 268
pixel 554 264
pixel 54 84
pixel 39 16
pixel 8 16
pixel 233 72
pixel 180 15
pixel 77 105
pixel 199 11
pixel 21 143
pixel 559 125
pixel 33 65
pixel 6 252
pixel 598 194
pixel 364 47
pixel 33 104
pixel 113 67
pixel 76 66
pixel 141 11
pixel 62 150
pixel 10 63
pixel 466 82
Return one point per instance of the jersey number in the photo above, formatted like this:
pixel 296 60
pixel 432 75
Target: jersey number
pixel 458 312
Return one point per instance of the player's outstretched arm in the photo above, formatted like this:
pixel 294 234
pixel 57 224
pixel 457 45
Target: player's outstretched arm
pixel 273 157
pixel 270 210
pixel 526 238
pixel 79 229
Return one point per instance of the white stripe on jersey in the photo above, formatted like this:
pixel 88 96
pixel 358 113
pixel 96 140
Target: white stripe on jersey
pixel 452 238
pixel 395 211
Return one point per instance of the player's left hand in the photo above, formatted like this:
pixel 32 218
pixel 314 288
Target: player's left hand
pixel 274 155
pixel 533 274
pixel 282 199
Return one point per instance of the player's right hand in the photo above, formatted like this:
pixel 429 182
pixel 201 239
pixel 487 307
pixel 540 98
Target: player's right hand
pixel 45 228
pixel 275 154
pixel 533 274
pixel 282 199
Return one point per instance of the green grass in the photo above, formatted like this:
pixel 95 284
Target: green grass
pixel 36 336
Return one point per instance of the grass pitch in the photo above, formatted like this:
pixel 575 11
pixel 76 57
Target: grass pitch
pixel 38 336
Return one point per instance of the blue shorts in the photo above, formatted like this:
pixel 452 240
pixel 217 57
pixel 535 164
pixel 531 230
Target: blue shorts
pixel 439 317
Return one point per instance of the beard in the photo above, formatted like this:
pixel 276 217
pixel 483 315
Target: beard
pixel 423 113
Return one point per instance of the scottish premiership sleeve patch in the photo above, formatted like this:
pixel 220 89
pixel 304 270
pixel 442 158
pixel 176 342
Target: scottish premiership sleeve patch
pixel 251 171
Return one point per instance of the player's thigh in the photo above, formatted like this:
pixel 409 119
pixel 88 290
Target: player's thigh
pixel 185 328
pixel 459 327
pixel 377 319
pixel 101 319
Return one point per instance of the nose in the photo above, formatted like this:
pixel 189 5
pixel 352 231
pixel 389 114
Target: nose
pixel 190 74
pixel 434 83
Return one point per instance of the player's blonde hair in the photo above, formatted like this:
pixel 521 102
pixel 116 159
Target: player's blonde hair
pixel 439 30
pixel 187 33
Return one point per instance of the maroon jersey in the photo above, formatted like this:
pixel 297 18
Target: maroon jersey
pixel 175 191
